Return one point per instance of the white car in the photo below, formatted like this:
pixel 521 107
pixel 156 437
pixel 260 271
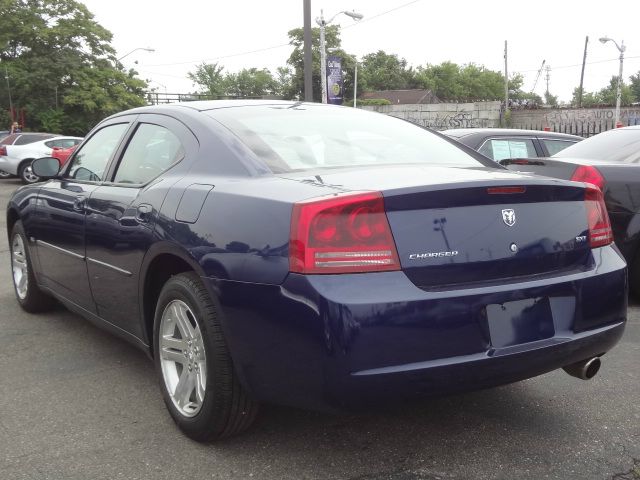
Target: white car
pixel 16 159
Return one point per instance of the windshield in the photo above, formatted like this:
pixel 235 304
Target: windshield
pixel 619 145
pixel 306 137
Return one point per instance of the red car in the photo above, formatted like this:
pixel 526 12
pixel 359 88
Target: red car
pixel 62 154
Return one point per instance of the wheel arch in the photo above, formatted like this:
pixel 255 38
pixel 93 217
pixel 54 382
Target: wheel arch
pixel 161 262
pixel 12 218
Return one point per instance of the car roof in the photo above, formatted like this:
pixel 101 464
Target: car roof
pixel 503 132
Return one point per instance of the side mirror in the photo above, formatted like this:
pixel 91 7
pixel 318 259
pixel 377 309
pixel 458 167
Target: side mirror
pixel 46 167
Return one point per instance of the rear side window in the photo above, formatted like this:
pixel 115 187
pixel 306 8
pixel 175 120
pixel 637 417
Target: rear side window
pixel 9 139
pixel 27 138
pixel 62 142
pixel 151 151
pixel 499 149
pixel 90 163
pixel 555 146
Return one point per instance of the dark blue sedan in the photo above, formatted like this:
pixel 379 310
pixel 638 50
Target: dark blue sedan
pixel 315 256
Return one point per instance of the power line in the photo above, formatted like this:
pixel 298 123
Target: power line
pixel 281 45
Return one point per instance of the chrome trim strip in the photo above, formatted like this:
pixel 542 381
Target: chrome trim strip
pixel 59 249
pixel 112 267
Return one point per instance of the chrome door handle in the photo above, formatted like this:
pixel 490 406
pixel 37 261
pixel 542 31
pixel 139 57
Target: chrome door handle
pixel 143 213
pixel 80 204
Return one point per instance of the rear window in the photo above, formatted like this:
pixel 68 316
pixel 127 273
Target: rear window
pixel 9 139
pixel 294 138
pixel 620 145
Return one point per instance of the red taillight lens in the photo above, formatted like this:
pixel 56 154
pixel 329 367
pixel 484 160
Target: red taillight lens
pixel 346 233
pixel 3 151
pixel 588 174
pixel 600 233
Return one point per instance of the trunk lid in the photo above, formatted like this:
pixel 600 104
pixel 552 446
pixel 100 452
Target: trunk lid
pixel 467 226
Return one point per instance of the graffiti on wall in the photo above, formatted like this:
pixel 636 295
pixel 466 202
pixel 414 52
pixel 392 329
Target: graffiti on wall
pixel 444 120
pixel 570 116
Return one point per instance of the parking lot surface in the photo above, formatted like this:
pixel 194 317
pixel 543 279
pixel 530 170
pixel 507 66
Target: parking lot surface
pixel 77 403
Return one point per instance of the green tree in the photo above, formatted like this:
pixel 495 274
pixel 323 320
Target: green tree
pixel 250 83
pixel 384 71
pixel 209 77
pixel 296 59
pixel 551 100
pixel 609 93
pixel 466 83
pixel 54 53
pixel 634 85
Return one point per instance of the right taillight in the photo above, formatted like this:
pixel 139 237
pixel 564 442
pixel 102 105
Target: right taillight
pixel 347 233
pixel 588 174
pixel 3 151
pixel 600 233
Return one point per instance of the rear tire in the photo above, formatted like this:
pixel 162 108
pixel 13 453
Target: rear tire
pixel 4 174
pixel 198 382
pixel 634 277
pixel 28 294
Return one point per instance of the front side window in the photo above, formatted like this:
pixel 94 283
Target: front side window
pixel 90 162
pixel 499 149
pixel 151 151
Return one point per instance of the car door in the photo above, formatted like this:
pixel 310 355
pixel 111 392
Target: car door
pixel 60 226
pixel 121 216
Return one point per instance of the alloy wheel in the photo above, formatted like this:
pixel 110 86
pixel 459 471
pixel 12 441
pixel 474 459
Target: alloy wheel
pixel 19 266
pixel 182 358
pixel 28 176
pixel 4 174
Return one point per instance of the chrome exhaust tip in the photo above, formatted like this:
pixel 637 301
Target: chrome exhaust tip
pixel 585 369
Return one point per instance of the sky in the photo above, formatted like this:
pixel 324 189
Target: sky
pixel 189 32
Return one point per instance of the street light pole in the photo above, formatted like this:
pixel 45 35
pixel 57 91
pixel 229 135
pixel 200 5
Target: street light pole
pixel 355 84
pixel 146 49
pixel 621 48
pixel 6 76
pixel 323 59
pixel 322 23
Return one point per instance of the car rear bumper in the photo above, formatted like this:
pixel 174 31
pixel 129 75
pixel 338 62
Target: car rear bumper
pixel 342 341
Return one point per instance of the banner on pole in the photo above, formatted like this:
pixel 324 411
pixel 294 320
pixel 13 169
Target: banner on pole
pixel 334 80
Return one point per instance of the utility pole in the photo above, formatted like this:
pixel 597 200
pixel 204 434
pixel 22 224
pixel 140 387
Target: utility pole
pixel 506 84
pixel 547 78
pixel 6 77
pixel 308 62
pixel 584 61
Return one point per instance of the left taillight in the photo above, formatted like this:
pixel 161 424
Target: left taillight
pixel 600 232
pixel 346 233
pixel 3 151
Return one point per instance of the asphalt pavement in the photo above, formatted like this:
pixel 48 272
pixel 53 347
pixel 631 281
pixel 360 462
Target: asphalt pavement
pixel 77 403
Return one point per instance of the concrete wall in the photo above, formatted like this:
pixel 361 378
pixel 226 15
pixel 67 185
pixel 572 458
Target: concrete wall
pixel 441 116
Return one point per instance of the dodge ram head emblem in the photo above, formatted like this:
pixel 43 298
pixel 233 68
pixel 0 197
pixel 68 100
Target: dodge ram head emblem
pixel 509 217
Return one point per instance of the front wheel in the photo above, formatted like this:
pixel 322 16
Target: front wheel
pixel 26 173
pixel 193 364
pixel 28 294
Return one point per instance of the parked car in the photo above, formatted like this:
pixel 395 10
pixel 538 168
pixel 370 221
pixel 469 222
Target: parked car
pixel 19 139
pixel 16 159
pixel 63 154
pixel 258 253
pixel 611 161
pixel 501 143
